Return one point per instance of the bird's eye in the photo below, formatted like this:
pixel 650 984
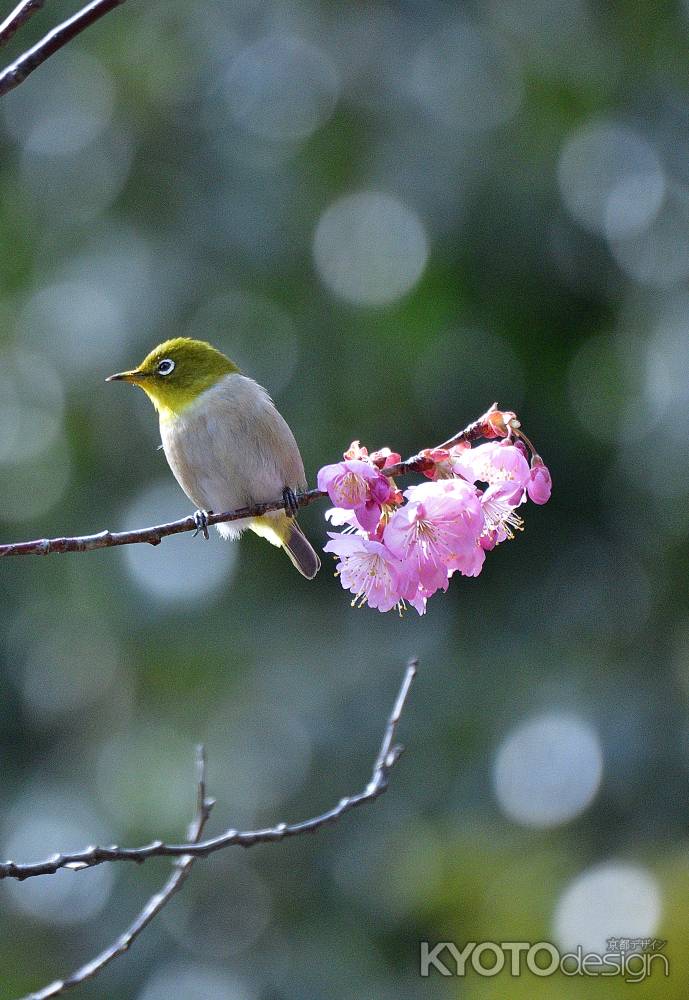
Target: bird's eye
pixel 165 366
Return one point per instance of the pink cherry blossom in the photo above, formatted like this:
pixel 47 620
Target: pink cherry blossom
pixel 498 504
pixel 368 515
pixel 470 563
pixel 437 532
pixel 358 486
pixel 540 484
pixel 347 483
pixel 493 463
pixel 369 570
pixel 340 518
pixel 415 595
pixel 398 549
pixel 489 539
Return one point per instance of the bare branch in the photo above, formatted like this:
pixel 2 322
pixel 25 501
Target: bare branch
pixel 17 72
pixel 152 908
pixel 20 15
pixel 155 534
pixel 388 756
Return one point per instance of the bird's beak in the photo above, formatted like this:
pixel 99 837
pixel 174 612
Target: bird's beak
pixel 132 376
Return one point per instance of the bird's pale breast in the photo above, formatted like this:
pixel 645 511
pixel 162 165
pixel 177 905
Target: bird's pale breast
pixel 231 448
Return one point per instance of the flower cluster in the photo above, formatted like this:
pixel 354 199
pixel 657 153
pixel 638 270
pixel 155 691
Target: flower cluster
pixel 400 548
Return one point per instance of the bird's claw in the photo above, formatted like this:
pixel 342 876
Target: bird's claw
pixel 201 522
pixel 289 498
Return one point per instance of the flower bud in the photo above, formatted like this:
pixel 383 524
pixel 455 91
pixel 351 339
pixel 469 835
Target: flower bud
pixel 356 451
pixel 383 458
pixel 540 483
pixel 498 423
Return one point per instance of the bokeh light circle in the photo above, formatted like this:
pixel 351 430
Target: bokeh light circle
pixel 611 179
pixel 182 569
pixel 370 249
pixel 467 78
pixel 29 489
pixel 659 255
pixel 548 770
pixel 47 120
pixel 254 331
pixel 282 89
pixel 38 823
pixel 610 900
pixel 31 406
pixel 66 671
pixel 140 771
pixel 78 323
pixel 76 189
pixel 205 927
pixel 193 981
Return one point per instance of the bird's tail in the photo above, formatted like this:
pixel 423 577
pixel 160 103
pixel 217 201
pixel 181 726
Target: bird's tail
pixel 284 531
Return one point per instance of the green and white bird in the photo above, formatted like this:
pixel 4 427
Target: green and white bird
pixel 225 442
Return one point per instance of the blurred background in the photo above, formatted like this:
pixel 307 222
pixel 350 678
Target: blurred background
pixel 391 215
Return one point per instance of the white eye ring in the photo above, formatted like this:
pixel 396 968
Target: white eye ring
pixel 165 366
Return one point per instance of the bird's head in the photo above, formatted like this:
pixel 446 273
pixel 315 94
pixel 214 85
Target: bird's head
pixel 175 373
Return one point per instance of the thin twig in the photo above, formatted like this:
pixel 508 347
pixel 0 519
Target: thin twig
pixel 388 756
pixel 155 534
pixel 17 72
pixel 154 905
pixel 20 15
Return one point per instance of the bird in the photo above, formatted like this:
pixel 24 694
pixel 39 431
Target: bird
pixel 225 442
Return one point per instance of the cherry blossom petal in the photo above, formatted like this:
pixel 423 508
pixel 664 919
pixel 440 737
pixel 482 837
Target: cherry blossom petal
pixel 368 570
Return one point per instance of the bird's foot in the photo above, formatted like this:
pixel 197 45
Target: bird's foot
pixel 201 522
pixel 291 503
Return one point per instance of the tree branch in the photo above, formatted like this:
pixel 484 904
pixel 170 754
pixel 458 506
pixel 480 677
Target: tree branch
pixel 17 72
pixel 186 854
pixel 152 908
pixel 20 15
pixel 388 756
pixel 155 534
